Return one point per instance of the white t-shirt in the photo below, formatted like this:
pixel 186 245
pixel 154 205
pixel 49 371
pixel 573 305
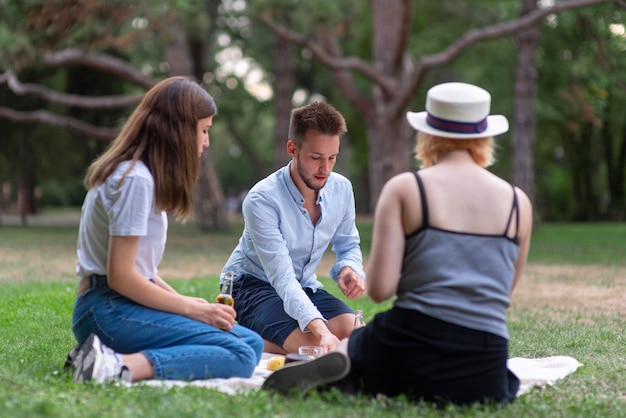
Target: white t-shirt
pixel 125 208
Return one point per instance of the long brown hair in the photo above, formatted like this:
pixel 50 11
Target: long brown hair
pixel 162 133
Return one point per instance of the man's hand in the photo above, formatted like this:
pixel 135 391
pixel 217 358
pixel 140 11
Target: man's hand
pixel 351 284
pixel 327 340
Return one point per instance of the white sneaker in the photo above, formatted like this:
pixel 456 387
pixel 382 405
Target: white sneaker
pixel 70 359
pixel 95 361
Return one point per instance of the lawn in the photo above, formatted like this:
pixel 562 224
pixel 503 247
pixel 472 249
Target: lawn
pixel 569 302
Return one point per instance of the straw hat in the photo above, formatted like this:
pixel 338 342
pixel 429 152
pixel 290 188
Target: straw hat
pixel 460 111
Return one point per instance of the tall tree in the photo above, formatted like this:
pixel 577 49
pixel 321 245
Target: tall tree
pixel 524 123
pixel 589 85
pixel 378 76
pixel 393 74
pixel 114 38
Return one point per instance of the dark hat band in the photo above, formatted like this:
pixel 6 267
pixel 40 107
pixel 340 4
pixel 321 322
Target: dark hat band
pixel 454 126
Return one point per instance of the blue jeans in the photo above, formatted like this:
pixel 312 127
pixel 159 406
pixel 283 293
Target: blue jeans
pixel 179 348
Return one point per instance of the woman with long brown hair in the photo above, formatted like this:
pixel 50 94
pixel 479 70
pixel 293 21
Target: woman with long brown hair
pixel 129 323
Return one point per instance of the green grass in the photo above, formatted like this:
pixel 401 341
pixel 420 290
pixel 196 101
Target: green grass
pixel 36 304
pixel 589 243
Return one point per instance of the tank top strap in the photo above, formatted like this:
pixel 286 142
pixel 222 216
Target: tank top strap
pixel 514 209
pixel 423 198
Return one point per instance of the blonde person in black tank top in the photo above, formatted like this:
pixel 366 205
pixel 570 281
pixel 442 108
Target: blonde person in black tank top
pixel 450 243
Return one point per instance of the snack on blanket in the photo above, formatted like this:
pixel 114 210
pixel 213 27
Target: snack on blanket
pixel 275 362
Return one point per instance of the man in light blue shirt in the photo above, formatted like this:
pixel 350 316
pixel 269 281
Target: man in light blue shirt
pixel 291 217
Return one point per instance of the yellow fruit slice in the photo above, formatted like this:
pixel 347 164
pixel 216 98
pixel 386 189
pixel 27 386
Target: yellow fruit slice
pixel 275 362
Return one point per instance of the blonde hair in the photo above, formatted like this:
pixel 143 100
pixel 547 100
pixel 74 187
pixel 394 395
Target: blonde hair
pixel 428 148
pixel 162 133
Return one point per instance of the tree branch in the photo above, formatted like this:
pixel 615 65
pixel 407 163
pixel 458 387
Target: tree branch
pixel 246 148
pixel 102 102
pixel 102 62
pixel 343 78
pixel 427 62
pixel 416 70
pixel 324 57
pixel 69 57
pixel 390 40
pixel 49 118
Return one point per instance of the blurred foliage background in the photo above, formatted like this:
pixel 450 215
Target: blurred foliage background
pixel 72 70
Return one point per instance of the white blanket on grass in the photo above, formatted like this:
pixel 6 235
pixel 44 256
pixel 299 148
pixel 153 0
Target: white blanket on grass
pixel 538 372
pixel 541 372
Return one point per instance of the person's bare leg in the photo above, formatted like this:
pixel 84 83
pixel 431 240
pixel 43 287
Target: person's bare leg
pixel 341 325
pixel 270 347
pixel 140 366
pixel 298 338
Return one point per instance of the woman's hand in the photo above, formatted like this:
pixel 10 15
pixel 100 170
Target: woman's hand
pixel 215 314
pixel 124 279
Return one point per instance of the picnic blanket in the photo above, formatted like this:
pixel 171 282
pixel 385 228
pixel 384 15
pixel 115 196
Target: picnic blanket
pixel 538 372
pixel 541 372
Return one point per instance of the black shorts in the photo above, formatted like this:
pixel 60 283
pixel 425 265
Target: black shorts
pixel 260 308
pixel 404 352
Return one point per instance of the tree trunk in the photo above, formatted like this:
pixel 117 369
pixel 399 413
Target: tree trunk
pixel 614 148
pixel 579 151
pixel 283 86
pixel 389 148
pixel 24 182
pixel 209 195
pixel 5 198
pixel 178 54
pixel 210 198
pixel 389 134
pixel 524 121
pixel 395 76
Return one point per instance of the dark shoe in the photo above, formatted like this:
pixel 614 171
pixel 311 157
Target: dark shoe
pixel 300 377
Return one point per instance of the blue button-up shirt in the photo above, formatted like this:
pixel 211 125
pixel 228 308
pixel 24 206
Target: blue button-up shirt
pixel 281 246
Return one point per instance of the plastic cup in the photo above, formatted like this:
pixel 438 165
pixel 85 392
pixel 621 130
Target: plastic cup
pixel 313 351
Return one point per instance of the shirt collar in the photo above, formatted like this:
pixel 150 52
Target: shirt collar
pixel 293 189
pixel 291 186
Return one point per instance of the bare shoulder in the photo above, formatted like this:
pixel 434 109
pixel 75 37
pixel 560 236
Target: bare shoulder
pixel 400 200
pixel 526 213
pixel 523 199
pixel 397 190
pixel 403 177
pixel 401 181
